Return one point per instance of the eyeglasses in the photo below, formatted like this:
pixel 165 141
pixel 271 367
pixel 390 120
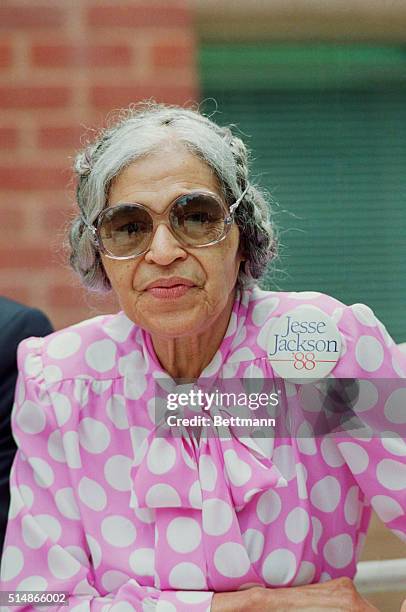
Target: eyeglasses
pixel 196 219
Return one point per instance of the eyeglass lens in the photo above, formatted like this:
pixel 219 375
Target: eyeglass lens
pixel 196 219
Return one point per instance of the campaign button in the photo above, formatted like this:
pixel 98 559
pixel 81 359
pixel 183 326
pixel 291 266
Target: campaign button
pixel 304 343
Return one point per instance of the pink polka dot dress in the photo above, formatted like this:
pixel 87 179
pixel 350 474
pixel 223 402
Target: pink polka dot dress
pixel 124 520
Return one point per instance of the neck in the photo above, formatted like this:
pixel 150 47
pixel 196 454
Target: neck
pixel 186 356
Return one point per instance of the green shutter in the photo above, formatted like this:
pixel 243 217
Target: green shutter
pixel 327 127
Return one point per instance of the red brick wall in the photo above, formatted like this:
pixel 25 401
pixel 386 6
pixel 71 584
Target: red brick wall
pixel 63 67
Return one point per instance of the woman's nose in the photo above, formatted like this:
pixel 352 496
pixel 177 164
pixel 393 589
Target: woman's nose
pixel 165 247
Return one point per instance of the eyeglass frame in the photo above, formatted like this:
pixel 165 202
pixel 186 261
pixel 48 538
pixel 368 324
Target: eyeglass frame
pixel 95 226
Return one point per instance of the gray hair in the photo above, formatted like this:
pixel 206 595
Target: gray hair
pixel 139 130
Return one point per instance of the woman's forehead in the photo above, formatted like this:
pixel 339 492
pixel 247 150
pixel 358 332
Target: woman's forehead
pixel 168 170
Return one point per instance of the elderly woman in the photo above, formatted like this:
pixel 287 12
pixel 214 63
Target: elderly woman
pixel 122 514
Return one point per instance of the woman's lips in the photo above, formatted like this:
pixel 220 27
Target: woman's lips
pixel 169 292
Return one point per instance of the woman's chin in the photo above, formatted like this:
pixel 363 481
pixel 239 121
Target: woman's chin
pixel 172 325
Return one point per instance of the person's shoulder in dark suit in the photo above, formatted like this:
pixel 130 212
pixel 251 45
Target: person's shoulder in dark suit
pixel 16 323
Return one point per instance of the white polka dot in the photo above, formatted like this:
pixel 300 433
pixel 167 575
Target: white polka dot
pixel 66 503
pixel 134 388
pixel 139 443
pixel 33 536
pixel 213 366
pixel 364 315
pixel 70 441
pixel 16 503
pixel 43 473
pixel 117 472
pixel 146 515
pixel 183 534
pixel 238 471
pixel 195 495
pixel 355 456
pixel 262 310
pixel 185 575
pixel 284 460
pixel 118 531
pixel 31 418
pixel 386 508
pixel 369 353
pixel 12 563
pixel 32 583
pixel 95 550
pixel 305 439
pixel 119 327
pixel 163 495
pixel 142 561
pixel 161 456
pixel 279 567
pixel 84 606
pixel 64 345
pixel 207 473
pixel 297 525
pixel 395 407
pixel 254 543
pixel 232 325
pixel 81 390
pixel 305 575
pixel 79 555
pixel 231 560
pixel 339 551
pixel 50 525
pixel 100 386
pixel 317 532
pixel 337 314
pixel 33 365
pixel 367 396
pixel 391 474
pixel 326 494
pixel 352 505
pixel 187 457
pixel 112 580
pixel 52 374
pixel 131 364
pixel 92 494
pixel 325 576
pixel 217 517
pixel 330 452
pixel 61 564
pixel 27 496
pixel 93 435
pixel 242 354
pixel 311 398
pixel 20 391
pixel 62 406
pixel 55 447
pixel 161 606
pixel 397 367
pixel 360 545
pixel 269 506
pixel 304 295
pixel 101 355
pixel 393 443
pixel 193 597
pixel 34 342
pixel 117 412
pixel 301 475
pixel 239 337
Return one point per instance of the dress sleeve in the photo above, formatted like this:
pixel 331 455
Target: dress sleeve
pixel 375 450
pixel 45 546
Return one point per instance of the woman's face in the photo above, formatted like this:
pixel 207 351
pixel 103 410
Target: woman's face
pixel 155 181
